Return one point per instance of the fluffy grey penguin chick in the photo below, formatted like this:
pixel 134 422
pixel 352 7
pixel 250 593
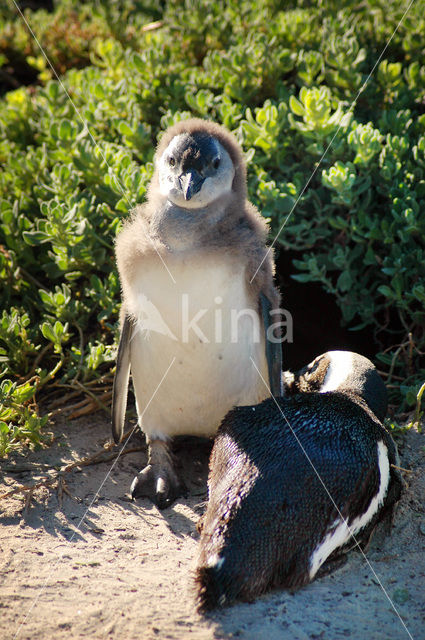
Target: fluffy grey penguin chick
pixel 269 521
pixel 207 319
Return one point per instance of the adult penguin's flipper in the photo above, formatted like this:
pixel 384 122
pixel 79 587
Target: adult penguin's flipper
pixel 273 348
pixel 120 387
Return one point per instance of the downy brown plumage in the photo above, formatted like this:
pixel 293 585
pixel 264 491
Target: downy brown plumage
pixel 191 252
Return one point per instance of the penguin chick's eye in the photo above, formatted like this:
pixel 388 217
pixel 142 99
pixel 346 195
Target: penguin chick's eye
pixel 172 161
pixel 216 163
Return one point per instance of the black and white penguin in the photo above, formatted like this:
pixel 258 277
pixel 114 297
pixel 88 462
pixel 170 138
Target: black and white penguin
pixel 198 300
pixel 293 480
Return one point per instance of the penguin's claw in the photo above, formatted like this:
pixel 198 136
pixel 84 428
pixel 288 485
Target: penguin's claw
pixel 158 483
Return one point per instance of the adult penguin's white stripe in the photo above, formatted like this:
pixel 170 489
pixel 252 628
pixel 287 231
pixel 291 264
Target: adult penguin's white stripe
pixel 340 367
pixel 340 532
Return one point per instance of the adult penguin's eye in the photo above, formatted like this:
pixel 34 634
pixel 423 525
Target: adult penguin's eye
pixel 171 161
pixel 216 163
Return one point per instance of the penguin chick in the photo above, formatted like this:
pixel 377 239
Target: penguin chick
pixel 187 260
pixel 270 521
pixel 344 371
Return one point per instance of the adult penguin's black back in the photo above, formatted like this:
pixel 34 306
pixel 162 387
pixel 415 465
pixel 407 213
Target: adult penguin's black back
pixel 288 487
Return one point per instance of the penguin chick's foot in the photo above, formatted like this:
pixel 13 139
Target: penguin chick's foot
pixel 158 480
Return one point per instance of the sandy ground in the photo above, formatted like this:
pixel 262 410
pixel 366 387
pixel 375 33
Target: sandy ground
pixel 126 570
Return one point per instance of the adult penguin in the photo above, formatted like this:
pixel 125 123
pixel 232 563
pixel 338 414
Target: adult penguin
pixel 295 480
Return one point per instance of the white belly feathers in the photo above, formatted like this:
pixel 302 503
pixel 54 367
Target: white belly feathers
pixel 207 328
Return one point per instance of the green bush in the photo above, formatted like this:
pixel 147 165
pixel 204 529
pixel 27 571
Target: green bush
pixel 72 165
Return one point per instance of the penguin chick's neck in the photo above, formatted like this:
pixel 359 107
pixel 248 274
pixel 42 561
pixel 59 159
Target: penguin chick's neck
pixel 181 229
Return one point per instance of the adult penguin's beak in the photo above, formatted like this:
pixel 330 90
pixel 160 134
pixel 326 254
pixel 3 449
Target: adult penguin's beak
pixel 191 182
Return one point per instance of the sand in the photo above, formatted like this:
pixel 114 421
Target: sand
pixel 126 570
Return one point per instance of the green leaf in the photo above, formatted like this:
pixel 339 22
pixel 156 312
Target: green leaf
pixel 35 238
pixel 296 106
pixel 48 332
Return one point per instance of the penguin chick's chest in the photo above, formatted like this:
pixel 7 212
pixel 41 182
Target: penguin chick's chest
pixel 205 324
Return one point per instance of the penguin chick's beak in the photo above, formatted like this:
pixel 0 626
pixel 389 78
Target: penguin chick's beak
pixel 191 182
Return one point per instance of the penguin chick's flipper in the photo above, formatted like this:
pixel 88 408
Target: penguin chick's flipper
pixel 159 480
pixel 273 349
pixel 120 386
